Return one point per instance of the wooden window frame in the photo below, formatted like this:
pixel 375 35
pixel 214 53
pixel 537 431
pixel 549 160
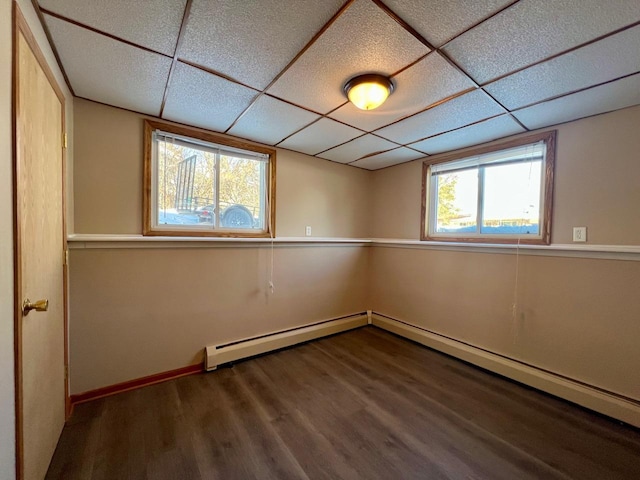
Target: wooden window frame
pixel 549 138
pixel 149 230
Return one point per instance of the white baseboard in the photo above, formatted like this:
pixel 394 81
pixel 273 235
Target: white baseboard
pixel 220 354
pixel 593 398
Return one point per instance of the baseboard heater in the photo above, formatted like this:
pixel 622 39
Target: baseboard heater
pixel 605 402
pixel 216 355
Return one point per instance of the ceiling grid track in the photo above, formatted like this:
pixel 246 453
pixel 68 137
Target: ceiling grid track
pixel 404 24
pixel 343 122
pixel 174 61
pixel 556 97
pixel 326 115
pixel 479 22
pixel 36 7
pixel 100 32
pixel 430 107
pixel 294 60
pixel 564 52
pixel 458 128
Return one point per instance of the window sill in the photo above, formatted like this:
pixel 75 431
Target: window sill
pixel 80 241
pixel 617 252
pixel 100 241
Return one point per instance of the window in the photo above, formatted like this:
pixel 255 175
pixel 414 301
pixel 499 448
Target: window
pixel 497 194
pixel 200 184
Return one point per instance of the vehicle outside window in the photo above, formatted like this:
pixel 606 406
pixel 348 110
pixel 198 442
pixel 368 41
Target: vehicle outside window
pixel 200 184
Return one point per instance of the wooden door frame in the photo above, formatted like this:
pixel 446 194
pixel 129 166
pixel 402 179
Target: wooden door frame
pixel 20 26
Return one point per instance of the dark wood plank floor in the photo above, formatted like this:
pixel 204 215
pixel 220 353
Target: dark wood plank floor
pixel 360 405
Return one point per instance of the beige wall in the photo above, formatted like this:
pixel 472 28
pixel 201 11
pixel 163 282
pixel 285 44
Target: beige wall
pixel 333 199
pixel 396 201
pixel 138 312
pixel 597 172
pixel 575 316
pixel 596 184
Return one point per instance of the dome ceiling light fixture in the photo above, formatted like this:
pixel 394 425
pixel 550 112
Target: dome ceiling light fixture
pixel 368 91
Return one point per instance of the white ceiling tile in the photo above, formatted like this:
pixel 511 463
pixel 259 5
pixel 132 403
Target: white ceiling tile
pixel 154 24
pixel 532 30
pixel 320 136
pixel 252 41
pixel 358 148
pixel 363 40
pixel 387 159
pixel 613 57
pixel 270 120
pixel 605 98
pixel 370 119
pixel 485 131
pixel 199 98
pixel 109 71
pixel 439 21
pixel 464 110
pixel 425 83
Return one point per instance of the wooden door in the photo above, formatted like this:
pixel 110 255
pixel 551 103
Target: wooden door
pixel 41 389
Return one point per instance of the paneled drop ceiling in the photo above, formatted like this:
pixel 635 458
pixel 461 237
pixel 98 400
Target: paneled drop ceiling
pixel 465 71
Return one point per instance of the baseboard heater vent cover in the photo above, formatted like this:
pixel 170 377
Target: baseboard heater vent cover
pixel 216 355
pixel 607 403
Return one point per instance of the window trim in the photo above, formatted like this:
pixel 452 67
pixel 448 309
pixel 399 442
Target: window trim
pixel 147 202
pixel 548 137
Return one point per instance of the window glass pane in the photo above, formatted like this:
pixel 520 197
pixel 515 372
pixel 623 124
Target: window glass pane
pixel 492 192
pixel 457 202
pixel 241 192
pixel 206 185
pixel 186 184
pixel 187 187
pixel 512 198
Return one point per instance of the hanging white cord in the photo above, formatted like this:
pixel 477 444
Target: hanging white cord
pixel 164 176
pixel 271 287
pixel 514 305
pixel 268 215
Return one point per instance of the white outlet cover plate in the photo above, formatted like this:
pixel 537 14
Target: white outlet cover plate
pixel 579 234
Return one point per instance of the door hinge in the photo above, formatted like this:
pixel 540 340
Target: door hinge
pixel 64 140
pixel 65 258
pixel 66 372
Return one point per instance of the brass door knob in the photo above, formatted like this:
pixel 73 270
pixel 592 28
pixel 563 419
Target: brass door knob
pixel 39 306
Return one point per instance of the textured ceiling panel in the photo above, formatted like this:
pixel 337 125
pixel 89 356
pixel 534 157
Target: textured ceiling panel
pixel 363 40
pixel 439 21
pixel 425 83
pixel 533 30
pixel 270 120
pixel 204 100
pixel 472 135
pixel 154 24
pixel 605 98
pixel 387 159
pixel 320 136
pixel 109 71
pixel 252 41
pixel 460 111
pixel 358 148
pixel 608 59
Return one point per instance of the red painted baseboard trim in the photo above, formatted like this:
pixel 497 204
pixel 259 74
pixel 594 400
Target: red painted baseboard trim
pixel 136 383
